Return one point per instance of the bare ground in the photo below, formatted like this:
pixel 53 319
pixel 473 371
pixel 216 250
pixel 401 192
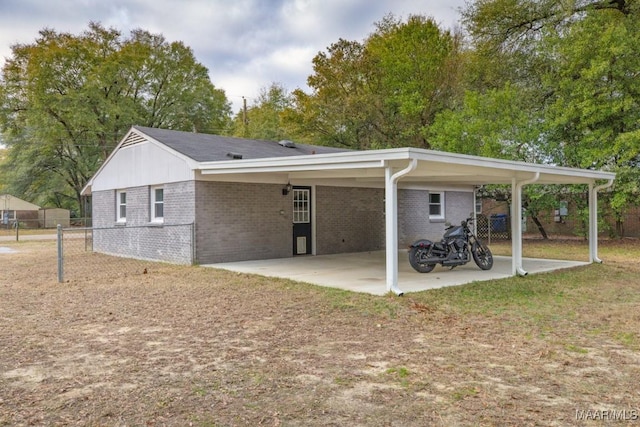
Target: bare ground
pixel 181 346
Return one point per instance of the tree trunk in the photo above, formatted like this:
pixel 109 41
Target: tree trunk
pixel 541 229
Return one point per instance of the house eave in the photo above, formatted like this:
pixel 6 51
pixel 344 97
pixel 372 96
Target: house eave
pixel 432 166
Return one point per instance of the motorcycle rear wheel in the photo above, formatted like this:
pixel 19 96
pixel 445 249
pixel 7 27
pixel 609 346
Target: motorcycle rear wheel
pixel 415 256
pixel 482 256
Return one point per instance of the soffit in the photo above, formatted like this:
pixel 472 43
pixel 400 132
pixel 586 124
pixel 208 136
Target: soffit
pixel 432 167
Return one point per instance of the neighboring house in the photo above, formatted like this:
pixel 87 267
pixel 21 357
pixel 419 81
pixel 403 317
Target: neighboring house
pixel 187 197
pixel 13 209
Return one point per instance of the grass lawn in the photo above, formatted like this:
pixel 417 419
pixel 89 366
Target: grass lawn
pixel 138 343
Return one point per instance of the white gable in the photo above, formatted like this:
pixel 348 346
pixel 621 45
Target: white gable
pixel 139 162
pixel 12 203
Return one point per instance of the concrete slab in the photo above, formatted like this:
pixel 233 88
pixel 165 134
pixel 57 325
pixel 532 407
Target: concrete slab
pixel 365 271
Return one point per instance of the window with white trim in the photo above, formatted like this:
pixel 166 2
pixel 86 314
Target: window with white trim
pixel 436 205
pixel 121 206
pixel 301 206
pixel 157 204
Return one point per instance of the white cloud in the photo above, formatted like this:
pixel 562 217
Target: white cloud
pixel 245 44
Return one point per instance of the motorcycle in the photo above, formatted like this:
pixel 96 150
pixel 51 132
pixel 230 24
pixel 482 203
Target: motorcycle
pixel 457 247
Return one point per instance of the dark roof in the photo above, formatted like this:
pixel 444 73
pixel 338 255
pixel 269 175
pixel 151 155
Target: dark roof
pixel 204 147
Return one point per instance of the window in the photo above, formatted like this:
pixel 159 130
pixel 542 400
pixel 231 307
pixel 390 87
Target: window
pixel 301 207
pixel 436 205
pixel 157 204
pixel 121 206
pixel 8 216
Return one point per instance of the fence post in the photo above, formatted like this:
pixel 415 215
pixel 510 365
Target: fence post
pixel 17 230
pixel 60 256
pixel 193 243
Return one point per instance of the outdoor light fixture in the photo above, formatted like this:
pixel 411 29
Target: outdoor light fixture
pixel 286 189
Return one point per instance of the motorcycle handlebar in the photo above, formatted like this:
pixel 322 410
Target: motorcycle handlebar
pixel 468 220
pixel 464 222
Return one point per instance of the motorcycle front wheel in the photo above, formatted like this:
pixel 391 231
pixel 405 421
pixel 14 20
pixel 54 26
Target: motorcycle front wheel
pixel 415 259
pixel 482 256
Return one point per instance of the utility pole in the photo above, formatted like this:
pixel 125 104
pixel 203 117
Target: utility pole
pixel 245 121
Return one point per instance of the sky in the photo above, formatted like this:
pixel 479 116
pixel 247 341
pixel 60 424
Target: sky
pixel 245 44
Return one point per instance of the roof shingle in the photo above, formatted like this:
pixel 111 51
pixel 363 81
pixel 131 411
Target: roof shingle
pixel 203 147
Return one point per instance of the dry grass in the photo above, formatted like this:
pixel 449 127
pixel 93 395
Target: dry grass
pixel 195 346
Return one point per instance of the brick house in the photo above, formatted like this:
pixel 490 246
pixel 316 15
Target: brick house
pixel 209 198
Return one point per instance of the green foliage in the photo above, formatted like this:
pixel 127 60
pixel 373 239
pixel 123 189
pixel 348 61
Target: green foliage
pixel 496 124
pixel 67 100
pixel 264 120
pixel 384 92
pixel 417 73
pixel 337 111
pixel 3 159
pixel 594 119
pixel 553 82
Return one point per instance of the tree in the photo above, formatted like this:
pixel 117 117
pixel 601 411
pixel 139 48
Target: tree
pixel 417 75
pixel 3 159
pixel 337 111
pixel 496 123
pixel 67 100
pixel 264 120
pixel 594 115
pixel 574 66
pixel 384 92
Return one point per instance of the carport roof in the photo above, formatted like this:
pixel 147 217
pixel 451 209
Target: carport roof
pixel 432 167
pixel 212 155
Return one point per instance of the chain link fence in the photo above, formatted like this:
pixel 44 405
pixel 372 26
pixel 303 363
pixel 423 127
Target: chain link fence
pixel 16 228
pixel 86 254
pixel 22 229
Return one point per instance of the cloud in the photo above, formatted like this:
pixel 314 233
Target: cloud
pixel 245 44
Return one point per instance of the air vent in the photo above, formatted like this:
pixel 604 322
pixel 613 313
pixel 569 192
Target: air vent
pixel 287 143
pixel 234 155
pixel 133 139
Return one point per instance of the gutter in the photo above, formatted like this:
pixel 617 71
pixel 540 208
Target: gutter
pixel 391 210
pixel 593 222
pixel 519 270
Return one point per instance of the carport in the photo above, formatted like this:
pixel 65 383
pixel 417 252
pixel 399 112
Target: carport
pixel 365 271
pixel 392 168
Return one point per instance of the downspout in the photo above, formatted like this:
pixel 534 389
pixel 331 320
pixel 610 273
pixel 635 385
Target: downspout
pixel 593 220
pixel 391 223
pixel 516 224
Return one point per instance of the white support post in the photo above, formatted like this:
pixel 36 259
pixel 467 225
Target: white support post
pixel 516 224
pixel 391 227
pixel 516 237
pixel 593 220
pixel 391 223
pixel 593 225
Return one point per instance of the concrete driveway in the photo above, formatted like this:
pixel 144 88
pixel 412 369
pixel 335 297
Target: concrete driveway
pixel 365 271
